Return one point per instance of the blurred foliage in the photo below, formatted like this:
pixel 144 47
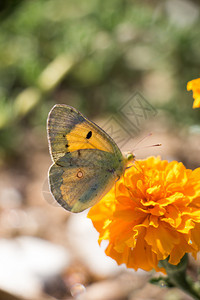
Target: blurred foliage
pixel 92 55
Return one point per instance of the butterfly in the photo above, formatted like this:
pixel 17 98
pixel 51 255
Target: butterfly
pixel 86 160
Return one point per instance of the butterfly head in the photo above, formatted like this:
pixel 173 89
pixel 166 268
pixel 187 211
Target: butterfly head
pixel 129 156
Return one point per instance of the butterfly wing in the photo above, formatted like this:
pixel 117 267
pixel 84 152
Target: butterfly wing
pixel 80 179
pixel 86 160
pixel 68 130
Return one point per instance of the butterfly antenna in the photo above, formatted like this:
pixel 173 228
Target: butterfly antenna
pixel 149 146
pixel 144 138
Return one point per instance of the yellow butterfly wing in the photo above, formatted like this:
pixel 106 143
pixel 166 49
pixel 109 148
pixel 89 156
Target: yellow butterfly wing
pixel 68 130
pixel 86 160
pixel 78 182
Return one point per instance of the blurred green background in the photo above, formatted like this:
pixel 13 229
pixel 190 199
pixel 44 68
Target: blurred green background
pixel 93 55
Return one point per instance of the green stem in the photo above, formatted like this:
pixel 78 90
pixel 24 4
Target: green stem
pixel 177 276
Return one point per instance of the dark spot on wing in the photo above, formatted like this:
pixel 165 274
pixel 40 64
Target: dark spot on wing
pixel 79 174
pixel 66 145
pixel 111 170
pixel 88 136
pixel 79 153
pixel 64 135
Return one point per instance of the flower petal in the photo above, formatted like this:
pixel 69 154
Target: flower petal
pixel 151 213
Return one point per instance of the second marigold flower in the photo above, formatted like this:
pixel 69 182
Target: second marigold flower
pixel 152 212
pixel 194 85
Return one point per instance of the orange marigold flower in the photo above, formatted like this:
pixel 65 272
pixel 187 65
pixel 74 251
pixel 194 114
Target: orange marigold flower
pixel 194 85
pixel 152 212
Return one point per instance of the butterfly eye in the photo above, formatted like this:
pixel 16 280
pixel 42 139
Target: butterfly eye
pixel 88 136
pixel 79 174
